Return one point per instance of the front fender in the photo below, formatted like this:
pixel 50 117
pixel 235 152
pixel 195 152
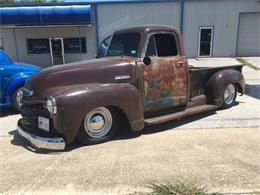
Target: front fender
pixel 17 80
pixel 218 82
pixel 74 102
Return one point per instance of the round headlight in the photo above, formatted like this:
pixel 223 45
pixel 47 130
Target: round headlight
pixel 19 97
pixel 51 105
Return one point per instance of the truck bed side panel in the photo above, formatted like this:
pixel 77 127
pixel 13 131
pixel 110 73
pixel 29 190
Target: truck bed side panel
pixel 200 76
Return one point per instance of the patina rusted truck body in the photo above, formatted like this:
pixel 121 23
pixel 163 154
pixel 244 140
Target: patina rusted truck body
pixel 144 76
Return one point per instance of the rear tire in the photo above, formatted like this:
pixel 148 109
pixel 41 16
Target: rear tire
pixel 99 125
pixel 229 96
pixel 14 98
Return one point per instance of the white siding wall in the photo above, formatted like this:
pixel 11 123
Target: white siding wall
pixel 115 16
pixel 44 60
pixel 223 15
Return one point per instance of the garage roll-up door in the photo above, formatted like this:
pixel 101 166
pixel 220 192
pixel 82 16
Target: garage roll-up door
pixel 249 34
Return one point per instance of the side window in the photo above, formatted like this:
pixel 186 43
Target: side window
pixel 151 48
pixel 166 45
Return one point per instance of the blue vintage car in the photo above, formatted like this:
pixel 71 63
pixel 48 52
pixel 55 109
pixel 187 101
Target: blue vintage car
pixel 12 78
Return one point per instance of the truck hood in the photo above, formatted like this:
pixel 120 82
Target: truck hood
pixel 103 70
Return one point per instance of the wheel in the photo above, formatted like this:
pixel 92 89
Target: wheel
pixel 15 100
pixel 99 125
pixel 229 96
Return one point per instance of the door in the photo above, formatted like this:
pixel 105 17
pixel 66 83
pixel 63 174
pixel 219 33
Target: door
pixel 57 51
pixel 249 35
pixel 165 79
pixel 205 41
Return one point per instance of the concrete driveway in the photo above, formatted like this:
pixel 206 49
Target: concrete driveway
pixel 224 160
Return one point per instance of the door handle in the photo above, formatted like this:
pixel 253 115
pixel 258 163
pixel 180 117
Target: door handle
pixel 179 64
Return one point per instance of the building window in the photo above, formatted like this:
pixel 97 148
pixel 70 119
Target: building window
pixel 38 46
pixel 75 45
pixel 205 41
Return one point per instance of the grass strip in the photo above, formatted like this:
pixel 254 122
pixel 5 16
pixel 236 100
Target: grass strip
pixel 243 61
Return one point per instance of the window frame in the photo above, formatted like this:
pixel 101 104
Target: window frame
pixel 79 38
pixel 211 41
pixel 154 42
pixel 160 32
pixel 27 45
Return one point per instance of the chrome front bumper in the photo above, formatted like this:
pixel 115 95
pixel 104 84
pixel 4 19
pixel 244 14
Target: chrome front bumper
pixel 49 143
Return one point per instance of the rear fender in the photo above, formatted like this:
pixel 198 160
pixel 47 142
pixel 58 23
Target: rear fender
pixel 17 80
pixel 75 102
pixel 218 82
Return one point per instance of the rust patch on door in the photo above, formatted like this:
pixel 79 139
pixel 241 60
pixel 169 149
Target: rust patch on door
pixel 164 84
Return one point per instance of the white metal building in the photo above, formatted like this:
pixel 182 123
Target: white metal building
pixel 216 28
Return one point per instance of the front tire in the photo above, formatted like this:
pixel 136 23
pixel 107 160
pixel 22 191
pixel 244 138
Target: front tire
pixel 229 96
pixel 99 125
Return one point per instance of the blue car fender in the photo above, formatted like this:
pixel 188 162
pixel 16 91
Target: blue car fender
pixel 17 80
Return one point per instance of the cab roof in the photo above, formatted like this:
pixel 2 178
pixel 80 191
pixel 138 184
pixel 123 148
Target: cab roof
pixel 148 28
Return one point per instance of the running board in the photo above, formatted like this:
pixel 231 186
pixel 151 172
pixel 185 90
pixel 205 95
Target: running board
pixel 181 114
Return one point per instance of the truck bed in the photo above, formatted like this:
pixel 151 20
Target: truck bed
pixel 200 75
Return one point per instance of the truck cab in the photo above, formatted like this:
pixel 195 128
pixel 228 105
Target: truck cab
pixel 143 75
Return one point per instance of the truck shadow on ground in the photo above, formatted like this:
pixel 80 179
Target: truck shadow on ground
pixel 253 91
pixel 123 133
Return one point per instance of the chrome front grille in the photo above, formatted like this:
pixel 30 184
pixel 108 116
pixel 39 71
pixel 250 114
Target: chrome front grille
pixel 31 109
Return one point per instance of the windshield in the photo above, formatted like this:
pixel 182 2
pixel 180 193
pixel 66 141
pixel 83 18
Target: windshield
pixel 124 44
pixel 4 59
pixel 103 47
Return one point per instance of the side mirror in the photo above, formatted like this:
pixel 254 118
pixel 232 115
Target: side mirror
pixel 147 60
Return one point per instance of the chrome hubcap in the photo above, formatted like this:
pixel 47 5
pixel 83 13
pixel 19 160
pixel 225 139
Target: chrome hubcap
pixel 98 122
pixel 229 94
pixel 19 98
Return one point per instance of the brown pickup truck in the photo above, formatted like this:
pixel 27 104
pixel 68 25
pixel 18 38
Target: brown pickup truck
pixel 143 76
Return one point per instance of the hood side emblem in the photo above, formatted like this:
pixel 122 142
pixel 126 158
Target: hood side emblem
pixel 121 77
